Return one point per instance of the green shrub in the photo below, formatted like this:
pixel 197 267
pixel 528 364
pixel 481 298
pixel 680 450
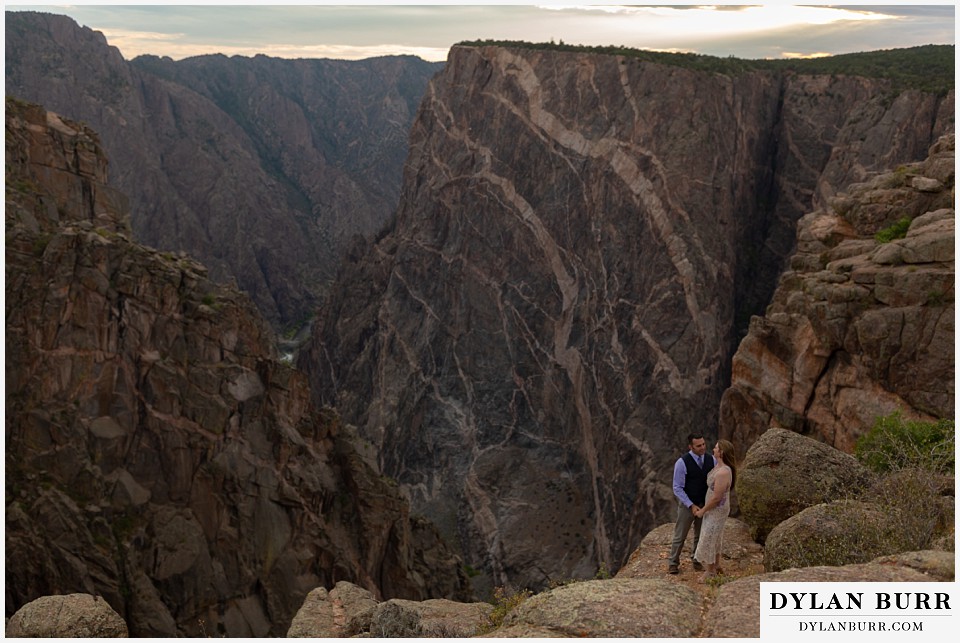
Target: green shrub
pixel 938 298
pixel 504 602
pixel 715 582
pixel 898 178
pixel 897 230
pixel 603 573
pixel 915 498
pixel 894 444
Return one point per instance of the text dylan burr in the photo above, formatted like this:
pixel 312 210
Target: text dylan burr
pixel 855 601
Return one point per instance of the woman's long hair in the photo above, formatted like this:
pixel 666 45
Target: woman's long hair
pixel 729 454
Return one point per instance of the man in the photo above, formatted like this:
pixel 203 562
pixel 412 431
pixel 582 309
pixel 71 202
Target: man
pixel 690 488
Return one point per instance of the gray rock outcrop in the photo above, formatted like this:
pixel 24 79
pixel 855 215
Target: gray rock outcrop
pixel 68 616
pixel 581 239
pixel 784 473
pixel 434 618
pixel 641 608
pixel 740 555
pixel 901 511
pixel 351 611
pixel 328 614
pixel 939 564
pixel 838 533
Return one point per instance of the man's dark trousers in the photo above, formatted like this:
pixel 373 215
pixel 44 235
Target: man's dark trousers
pixel 685 518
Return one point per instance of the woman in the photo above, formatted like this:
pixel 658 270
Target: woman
pixel 715 510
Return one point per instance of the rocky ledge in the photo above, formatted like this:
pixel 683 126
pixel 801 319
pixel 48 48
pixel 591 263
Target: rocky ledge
pixel 642 600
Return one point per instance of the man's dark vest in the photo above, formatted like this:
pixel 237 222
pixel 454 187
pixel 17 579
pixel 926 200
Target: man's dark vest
pixel 695 484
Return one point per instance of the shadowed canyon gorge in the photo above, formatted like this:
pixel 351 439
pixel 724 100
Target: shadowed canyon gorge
pixel 586 256
pixel 261 168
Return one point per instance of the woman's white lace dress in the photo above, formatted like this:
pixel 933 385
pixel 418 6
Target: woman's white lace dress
pixel 711 531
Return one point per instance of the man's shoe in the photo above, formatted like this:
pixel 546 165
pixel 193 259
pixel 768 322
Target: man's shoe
pixel 697 566
pixel 674 569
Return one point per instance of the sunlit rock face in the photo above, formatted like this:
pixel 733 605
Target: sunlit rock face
pixel 580 242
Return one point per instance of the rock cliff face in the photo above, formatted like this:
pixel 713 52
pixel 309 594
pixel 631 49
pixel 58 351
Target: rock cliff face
pixel 580 242
pixel 857 329
pixel 260 168
pixel 157 452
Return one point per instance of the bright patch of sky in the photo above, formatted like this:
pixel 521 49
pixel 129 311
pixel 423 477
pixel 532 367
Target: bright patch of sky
pixel 767 30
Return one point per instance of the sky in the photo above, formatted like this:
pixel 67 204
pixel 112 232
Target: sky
pixel 352 31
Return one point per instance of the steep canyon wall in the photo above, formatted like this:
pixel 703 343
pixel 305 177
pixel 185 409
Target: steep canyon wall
pixel 261 168
pixel 158 453
pixel 580 243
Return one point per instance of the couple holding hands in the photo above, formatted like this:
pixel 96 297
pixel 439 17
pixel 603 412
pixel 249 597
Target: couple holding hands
pixel 702 485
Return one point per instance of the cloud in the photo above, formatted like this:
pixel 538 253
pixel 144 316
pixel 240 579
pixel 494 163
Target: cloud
pixel 909 10
pixel 116 36
pixel 796 55
pixel 428 31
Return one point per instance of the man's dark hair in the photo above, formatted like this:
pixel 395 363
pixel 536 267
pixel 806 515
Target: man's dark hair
pixel 693 436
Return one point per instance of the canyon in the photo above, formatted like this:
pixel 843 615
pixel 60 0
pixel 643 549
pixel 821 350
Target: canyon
pixel 534 271
pixel 260 168
pixel 158 453
pixel 580 244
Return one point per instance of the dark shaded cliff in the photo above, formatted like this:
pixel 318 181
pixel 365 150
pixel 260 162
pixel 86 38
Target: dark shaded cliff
pixel 580 243
pixel 260 168
pixel 157 452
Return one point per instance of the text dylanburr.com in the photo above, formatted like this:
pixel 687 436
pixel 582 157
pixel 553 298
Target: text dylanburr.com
pixel 851 610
